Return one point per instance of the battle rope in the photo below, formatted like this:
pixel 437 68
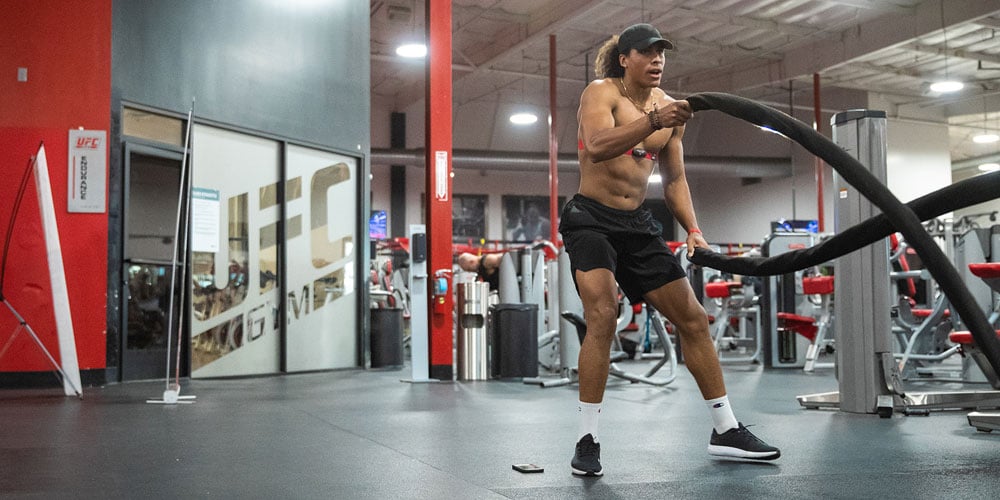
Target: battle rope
pixel 956 196
pixel 900 216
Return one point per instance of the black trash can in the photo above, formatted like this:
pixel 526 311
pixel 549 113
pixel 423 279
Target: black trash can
pixel 387 337
pixel 514 341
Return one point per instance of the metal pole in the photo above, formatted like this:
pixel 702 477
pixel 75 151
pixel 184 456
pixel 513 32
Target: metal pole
pixel 553 146
pixel 818 117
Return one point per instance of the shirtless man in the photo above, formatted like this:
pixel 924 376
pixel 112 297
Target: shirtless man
pixel 486 267
pixel 628 125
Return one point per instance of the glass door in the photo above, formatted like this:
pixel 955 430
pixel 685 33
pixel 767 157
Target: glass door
pixel 152 179
pixel 321 259
pixel 235 218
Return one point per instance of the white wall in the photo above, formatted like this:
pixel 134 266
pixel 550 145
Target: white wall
pixel 917 158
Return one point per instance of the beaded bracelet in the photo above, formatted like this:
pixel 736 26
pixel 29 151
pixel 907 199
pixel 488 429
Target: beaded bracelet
pixel 654 119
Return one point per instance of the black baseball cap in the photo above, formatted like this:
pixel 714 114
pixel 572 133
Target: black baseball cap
pixel 641 37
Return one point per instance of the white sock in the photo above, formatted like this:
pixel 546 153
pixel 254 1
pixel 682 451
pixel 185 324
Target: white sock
pixel 589 413
pixel 722 414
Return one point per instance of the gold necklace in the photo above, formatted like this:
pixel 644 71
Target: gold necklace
pixel 629 97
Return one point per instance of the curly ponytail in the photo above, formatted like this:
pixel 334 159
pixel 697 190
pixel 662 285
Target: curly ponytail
pixel 606 65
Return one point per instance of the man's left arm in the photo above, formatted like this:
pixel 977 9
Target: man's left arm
pixel 676 192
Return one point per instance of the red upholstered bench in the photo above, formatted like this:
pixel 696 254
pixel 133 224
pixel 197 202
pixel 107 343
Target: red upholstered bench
pixel 923 313
pixel 964 338
pixel 816 330
pixel 988 272
pixel 729 328
pixel 802 325
pixel 817 285
pixel 968 345
pixel 721 289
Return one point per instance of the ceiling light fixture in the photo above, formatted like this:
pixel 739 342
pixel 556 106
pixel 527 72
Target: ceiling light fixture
pixel 412 44
pixel 986 138
pixel 523 118
pixel 947 85
pixel 989 167
pixel 412 50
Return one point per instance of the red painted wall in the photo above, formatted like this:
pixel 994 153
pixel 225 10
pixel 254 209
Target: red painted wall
pixel 66 47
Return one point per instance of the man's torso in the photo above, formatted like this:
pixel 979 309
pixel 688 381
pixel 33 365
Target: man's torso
pixel 620 182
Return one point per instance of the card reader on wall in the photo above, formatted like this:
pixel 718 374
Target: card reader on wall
pixel 419 247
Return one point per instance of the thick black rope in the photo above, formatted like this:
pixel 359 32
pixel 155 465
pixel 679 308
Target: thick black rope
pixel 962 194
pixel 902 217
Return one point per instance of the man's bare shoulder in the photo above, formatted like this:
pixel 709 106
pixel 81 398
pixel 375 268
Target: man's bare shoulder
pixel 602 87
pixel 599 96
pixel 601 82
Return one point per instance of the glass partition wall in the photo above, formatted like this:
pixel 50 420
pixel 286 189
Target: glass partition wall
pixel 247 228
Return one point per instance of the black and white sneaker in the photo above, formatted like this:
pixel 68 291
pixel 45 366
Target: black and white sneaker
pixel 741 443
pixel 587 460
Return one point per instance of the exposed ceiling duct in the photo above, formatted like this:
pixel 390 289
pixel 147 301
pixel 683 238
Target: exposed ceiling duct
pixel 539 162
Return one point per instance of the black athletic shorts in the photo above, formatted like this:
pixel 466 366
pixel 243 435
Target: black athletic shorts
pixel 627 242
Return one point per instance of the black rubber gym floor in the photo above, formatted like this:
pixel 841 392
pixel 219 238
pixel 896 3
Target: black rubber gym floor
pixel 364 434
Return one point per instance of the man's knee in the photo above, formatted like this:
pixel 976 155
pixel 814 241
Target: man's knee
pixel 602 309
pixel 601 319
pixel 693 324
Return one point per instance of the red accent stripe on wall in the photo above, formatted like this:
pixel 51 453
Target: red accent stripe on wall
pixel 66 48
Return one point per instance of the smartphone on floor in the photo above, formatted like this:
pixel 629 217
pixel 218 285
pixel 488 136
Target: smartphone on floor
pixel 527 468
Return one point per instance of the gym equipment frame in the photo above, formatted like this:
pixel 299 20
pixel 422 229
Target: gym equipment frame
pixel 896 217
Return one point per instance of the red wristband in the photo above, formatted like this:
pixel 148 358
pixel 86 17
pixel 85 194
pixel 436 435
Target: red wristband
pixel 694 230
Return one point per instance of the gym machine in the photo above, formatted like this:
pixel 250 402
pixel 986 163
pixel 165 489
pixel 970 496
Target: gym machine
pixel 783 348
pixel 737 321
pixel 875 365
pixel 990 274
pixel 572 330
pixel 869 380
pixel 733 308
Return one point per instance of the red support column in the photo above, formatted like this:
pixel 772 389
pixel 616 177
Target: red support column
pixel 438 186
pixel 553 146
